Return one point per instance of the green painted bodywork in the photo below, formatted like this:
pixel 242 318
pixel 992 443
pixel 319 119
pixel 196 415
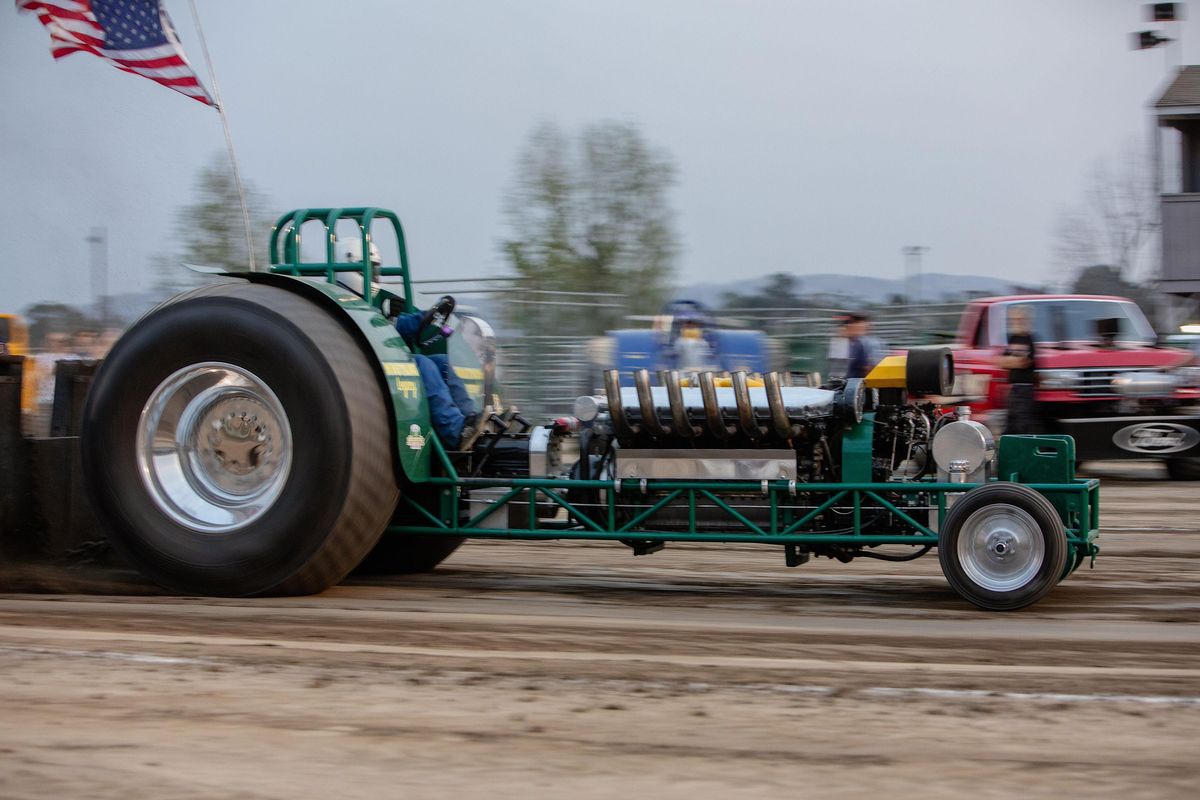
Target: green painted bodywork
pixel 857 450
pixel 395 366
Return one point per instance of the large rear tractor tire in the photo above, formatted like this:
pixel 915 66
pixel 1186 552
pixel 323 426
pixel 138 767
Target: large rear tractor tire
pixel 409 554
pixel 236 442
pixel 1002 546
pixel 398 554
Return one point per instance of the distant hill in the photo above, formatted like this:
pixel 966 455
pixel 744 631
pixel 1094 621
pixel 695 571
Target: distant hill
pixel 855 290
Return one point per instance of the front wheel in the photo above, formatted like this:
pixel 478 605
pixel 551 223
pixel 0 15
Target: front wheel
pixel 236 442
pixel 1002 546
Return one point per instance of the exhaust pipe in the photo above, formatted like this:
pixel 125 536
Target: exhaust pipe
pixel 641 379
pixel 712 408
pixel 779 418
pixel 683 426
pixel 612 388
pixel 741 393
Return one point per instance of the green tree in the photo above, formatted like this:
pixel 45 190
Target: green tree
pixel 209 230
pixel 590 215
pixel 781 290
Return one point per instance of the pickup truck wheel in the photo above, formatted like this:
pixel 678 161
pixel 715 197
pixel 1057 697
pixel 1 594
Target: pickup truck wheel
pixel 236 442
pixel 1183 469
pixel 1002 546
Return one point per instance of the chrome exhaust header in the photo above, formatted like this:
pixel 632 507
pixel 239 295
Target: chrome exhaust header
pixel 616 409
pixel 683 426
pixel 650 421
pixel 779 416
pixel 741 394
pixel 712 407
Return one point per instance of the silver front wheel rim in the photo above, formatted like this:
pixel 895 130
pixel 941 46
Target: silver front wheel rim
pixel 1001 547
pixel 214 447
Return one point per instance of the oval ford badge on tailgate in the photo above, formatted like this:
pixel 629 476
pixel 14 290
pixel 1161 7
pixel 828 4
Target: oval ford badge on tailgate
pixel 1156 438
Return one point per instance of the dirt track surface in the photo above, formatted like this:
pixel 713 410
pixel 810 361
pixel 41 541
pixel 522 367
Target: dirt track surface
pixel 560 670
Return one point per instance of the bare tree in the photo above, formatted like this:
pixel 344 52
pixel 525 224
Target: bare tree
pixel 1116 220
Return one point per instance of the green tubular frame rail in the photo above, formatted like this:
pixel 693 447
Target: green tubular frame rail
pixel 1077 501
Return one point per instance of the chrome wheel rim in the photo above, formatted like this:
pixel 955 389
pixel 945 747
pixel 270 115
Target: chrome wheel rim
pixel 214 447
pixel 1001 547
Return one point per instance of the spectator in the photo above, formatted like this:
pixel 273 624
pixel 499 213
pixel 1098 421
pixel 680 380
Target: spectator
pixel 84 343
pixel 862 348
pixel 1018 358
pixel 839 349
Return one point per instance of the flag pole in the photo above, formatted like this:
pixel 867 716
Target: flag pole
pixel 237 175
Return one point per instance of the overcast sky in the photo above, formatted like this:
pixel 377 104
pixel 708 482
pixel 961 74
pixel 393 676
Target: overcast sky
pixel 809 136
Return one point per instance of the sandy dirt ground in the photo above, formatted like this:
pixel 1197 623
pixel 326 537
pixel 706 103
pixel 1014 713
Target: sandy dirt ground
pixel 566 670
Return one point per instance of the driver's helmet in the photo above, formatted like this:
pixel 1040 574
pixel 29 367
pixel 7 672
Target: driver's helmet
pixel 350 251
pixel 688 321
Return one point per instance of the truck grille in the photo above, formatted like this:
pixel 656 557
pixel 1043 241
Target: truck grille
pixel 1098 382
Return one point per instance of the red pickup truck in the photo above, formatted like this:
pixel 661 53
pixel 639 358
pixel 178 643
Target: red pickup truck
pixel 1101 377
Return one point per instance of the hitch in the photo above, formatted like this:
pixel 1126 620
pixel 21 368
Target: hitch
pixel 793 556
pixel 645 547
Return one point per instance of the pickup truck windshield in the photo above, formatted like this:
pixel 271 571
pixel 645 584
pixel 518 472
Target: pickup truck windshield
pixel 1075 320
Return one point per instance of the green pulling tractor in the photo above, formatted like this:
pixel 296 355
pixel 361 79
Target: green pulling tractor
pixel 271 433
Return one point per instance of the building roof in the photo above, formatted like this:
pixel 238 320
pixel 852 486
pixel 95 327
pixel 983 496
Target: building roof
pixel 1183 91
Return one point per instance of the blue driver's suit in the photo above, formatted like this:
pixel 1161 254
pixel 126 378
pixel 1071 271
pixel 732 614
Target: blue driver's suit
pixel 449 403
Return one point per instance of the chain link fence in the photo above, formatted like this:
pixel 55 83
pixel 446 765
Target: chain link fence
pixel 543 373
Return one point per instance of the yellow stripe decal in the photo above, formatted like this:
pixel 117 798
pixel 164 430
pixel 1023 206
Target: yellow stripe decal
pixel 399 368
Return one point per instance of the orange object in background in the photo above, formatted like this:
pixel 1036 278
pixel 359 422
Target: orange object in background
pixel 14 335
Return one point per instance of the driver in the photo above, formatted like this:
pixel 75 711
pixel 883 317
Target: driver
pixel 451 409
pixel 691 350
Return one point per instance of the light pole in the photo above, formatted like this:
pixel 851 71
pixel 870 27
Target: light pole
pixel 98 261
pixel 912 271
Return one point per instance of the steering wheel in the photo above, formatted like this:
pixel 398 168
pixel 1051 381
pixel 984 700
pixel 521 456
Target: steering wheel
pixel 436 318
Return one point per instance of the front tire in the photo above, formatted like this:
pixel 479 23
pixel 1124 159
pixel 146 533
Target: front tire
pixel 236 442
pixel 1002 546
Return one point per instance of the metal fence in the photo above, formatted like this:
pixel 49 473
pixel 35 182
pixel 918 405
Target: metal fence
pixel 543 374
pixel 806 332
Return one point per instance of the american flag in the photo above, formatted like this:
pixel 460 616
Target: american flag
pixel 133 35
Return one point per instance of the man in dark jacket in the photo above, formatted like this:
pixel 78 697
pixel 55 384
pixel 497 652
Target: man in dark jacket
pixel 1018 358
